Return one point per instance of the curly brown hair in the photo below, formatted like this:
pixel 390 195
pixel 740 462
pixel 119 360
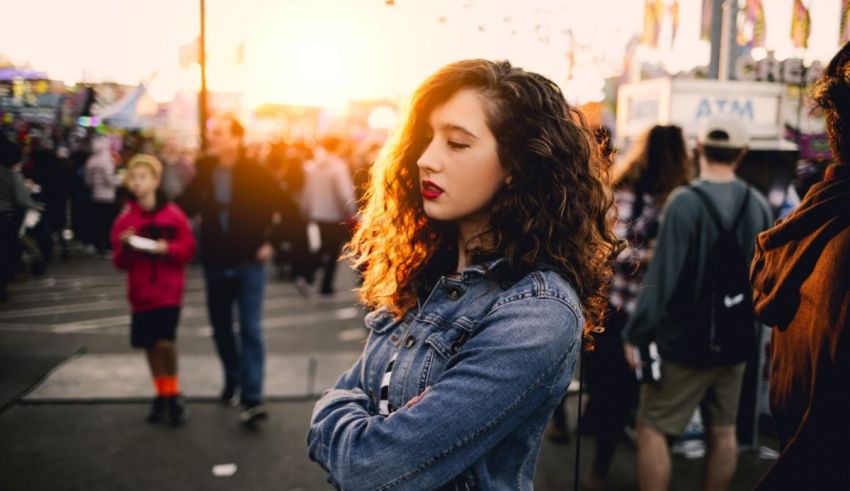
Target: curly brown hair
pixel 556 210
pixel 832 93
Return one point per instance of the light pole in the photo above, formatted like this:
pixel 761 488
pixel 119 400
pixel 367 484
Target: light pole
pixel 202 96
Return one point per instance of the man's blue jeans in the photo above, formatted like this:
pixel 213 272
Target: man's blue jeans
pixel 243 362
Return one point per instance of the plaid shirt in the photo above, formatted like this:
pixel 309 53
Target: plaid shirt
pixel 631 264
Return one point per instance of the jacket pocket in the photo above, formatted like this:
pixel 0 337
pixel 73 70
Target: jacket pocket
pixel 443 346
pixel 448 343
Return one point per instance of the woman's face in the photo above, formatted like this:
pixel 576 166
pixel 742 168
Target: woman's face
pixel 459 170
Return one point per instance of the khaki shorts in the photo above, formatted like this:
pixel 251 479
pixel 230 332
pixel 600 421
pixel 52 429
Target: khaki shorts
pixel 669 404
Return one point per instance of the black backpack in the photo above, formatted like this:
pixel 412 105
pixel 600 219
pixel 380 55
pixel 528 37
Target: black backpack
pixel 717 314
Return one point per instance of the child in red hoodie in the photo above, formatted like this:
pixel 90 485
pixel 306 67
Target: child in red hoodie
pixel 152 241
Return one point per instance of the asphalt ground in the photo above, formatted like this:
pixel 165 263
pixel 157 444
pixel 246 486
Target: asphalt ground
pixel 91 434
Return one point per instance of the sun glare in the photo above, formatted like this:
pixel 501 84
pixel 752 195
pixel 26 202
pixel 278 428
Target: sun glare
pixel 312 58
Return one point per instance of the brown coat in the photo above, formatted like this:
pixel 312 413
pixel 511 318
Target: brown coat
pixel 801 280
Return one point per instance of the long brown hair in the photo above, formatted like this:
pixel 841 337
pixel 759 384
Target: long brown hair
pixel 657 164
pixel 555 210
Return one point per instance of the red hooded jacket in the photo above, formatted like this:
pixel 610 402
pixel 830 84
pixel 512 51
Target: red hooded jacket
pixel 154 281
pixel 801 280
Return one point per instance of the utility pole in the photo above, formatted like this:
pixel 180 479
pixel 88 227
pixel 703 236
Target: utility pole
pixel 723 13
pixel 202 96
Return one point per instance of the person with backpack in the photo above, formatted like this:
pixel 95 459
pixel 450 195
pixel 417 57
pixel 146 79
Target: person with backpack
pixel 696 307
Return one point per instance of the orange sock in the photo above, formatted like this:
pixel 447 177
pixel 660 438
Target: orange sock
pixel 167 386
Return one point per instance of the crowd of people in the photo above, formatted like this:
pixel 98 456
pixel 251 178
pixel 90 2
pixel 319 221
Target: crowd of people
pixel 70 184
pixel 495 244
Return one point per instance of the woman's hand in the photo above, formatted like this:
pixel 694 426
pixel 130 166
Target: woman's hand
pixel 416 400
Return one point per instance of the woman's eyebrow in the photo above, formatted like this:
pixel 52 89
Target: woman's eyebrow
pixel 456 127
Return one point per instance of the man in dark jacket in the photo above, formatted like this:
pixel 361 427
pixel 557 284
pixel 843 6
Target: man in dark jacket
pixel 236 200
pixel 802 289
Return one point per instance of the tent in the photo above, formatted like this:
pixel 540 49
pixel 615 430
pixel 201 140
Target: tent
pixel 12 73
pixel 135 110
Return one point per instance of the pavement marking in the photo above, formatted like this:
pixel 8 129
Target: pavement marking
pixel 269 322
pixel 126 376
pixel 121 322
pixel 273 300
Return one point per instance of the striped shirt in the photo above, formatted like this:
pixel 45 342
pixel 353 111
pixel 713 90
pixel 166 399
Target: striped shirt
pixel 384 405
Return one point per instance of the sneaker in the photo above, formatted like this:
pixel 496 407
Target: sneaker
pixel 252 412
pixel 159 410
pixel 303 286
pixel 229 395
pixel 178 413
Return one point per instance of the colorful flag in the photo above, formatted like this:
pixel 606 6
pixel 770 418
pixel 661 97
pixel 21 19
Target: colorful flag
pixel 801 25
pixel 190 53
pixel 751 25
pixel 652 12
pixel 705 21
pixel 844 32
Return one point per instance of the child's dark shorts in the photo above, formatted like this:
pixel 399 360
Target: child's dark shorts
pixel 149 327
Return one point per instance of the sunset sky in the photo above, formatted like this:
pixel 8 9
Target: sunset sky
pixel 322 52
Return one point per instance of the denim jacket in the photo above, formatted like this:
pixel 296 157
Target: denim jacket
pixel 498 361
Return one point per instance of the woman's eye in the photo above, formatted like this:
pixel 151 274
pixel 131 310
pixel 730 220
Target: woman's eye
pixel 457 146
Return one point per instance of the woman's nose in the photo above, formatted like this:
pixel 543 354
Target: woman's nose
pixel 429 160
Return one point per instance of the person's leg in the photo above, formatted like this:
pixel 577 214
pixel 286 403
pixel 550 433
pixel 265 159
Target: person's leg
pixel 221 293
pixel 252 280
pixel 720 412
pixel 653 459
pixel 664 410
pixel 333 236
pixel 101 227
pixel 166 350
pixel 8 252
pixel 721 458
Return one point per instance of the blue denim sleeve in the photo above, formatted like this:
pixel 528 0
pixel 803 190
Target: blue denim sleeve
pixel 521 350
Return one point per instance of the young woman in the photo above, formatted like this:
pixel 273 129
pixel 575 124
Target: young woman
pixel 485 243
pixel 656 165
pixel 152 241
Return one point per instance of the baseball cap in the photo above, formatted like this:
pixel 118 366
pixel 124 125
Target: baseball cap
pixel 723 132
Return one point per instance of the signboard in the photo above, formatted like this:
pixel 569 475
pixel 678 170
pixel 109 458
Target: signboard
pixel 687 102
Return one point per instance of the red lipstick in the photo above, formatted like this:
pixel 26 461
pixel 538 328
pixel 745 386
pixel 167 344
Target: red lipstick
pixel 431 191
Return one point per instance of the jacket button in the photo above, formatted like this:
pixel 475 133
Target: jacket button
pixel 454 293
pixel 409 342
pixel 455 347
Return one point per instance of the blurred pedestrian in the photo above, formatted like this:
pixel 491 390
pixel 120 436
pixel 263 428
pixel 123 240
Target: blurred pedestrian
pixel 486 241
pixel 236 199
pixel 14 200
pixel 152 241
pixel 102 179
pixel 696 307
pixel 657 164
pixel 802 290
pixel 328 201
